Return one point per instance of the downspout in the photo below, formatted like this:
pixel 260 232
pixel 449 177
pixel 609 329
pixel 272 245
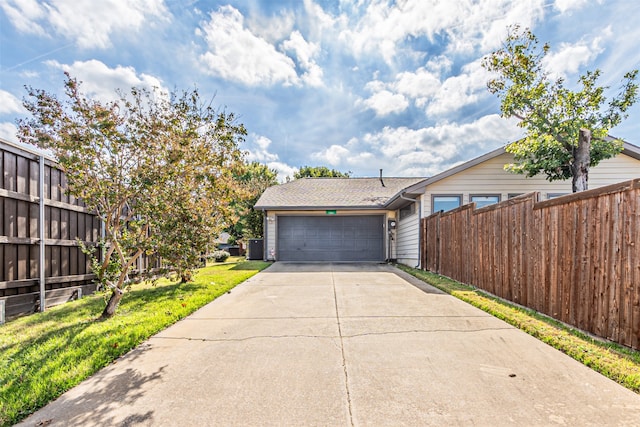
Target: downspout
pixel 265 226
pixel 419 226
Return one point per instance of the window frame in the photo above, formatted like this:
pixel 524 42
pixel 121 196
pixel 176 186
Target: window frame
pixel 402 212
pixel 555 195
pixel 433 201
pixel 496 195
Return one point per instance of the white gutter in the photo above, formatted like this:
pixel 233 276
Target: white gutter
pixel 265 226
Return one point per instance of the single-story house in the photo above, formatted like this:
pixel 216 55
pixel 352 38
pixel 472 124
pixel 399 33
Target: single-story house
pixel 378 219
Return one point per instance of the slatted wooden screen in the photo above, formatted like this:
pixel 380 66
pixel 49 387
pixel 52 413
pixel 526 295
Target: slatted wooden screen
pixel 575 258
pixel 66 268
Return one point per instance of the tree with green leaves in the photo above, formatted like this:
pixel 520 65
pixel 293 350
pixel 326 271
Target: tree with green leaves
pixel 253 178
pixel 156 168
pixel 319 172
pixel 566 131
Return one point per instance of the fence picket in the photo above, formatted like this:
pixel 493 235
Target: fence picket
pixel 575 258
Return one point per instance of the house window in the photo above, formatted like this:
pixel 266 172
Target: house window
pixel 554 195
pixel 407 211
pixel 446 203
pixel 482 200
pixel 512 195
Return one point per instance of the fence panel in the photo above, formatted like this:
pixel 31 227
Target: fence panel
pixel 66 269
pixel 575 258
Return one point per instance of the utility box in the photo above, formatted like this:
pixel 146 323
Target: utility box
pixel 256 249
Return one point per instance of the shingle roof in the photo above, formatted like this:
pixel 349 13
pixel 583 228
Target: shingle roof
pixel 321 193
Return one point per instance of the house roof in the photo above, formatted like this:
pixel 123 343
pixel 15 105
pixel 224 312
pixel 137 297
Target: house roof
pixel 334 193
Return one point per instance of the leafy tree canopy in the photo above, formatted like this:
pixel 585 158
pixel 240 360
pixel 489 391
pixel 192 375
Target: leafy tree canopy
pixel 554 115
pixel 157 169
pixel 319 172
pixel 254 178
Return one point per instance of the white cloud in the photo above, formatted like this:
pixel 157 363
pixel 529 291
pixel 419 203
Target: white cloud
pixel 10 104
pixel 305 52
pixel 88 23
pixel 345 157
pixel 24 15
pixel 461 90
pixel 284 170
pixel 272 28
pixel 257 147
pixel 320 23
pixel 384 27
pixel 8 131
pixel 570 57
pixel 421 152
pixel 483 25
pixel 259 152
pixel 427 91
pixel 566 5
pixel 419 85
pixel 101 82
pixel 332 155
pixel 235 53
pixel 385 103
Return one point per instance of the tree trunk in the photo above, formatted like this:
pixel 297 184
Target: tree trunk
pixel 110 309
pixel 581 161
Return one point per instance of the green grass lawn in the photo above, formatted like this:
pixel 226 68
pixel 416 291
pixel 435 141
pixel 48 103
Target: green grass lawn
pixel 45 354
pixel 616 362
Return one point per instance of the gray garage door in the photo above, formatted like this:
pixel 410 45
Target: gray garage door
pixel 331 238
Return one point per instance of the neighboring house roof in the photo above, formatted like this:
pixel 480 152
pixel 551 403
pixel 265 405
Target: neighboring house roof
pixel 223 238
pixel 631 150
pixel 627 149
pixel 329 193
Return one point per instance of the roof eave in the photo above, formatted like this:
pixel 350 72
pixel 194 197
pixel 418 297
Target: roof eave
pixel 318 208
pixel 411 192
pixel 631 150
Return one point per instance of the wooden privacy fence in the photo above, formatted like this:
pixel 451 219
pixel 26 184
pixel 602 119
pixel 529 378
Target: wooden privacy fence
pixel 575 258
pixel 39 226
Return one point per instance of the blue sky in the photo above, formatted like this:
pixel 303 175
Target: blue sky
pixel 353 85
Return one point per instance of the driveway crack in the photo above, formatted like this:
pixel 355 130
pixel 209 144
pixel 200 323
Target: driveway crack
pixel 253 337
pixel 344 360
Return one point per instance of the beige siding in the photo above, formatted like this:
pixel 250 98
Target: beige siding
pixel 489 177
pixel 407 240
pixel 270 245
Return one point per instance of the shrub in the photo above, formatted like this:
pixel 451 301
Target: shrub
pixel 220 256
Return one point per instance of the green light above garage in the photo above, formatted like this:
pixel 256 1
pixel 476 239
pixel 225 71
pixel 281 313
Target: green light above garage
pixel 330 212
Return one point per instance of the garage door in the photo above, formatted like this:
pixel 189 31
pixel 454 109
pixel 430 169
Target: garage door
pixel 331 238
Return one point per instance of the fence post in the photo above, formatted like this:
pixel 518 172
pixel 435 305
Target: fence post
pixel 2 312
pixel 438 247
pixel 42 235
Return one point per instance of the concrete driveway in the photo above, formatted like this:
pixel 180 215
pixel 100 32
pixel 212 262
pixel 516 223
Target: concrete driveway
pixel 343 345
